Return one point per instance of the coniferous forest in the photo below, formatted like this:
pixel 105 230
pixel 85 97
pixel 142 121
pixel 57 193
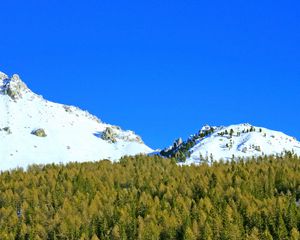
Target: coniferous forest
pixel 153 198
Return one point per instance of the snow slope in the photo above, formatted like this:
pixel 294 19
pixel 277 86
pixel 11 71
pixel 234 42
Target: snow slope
pixel 71 134
pixel 241 140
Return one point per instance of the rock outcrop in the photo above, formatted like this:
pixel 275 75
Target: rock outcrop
pixel 40 132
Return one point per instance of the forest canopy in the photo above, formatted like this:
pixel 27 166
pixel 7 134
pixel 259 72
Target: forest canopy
pixel 153 198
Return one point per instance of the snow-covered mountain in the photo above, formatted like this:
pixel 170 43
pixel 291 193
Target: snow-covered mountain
pixel 34 130
pixel 231 142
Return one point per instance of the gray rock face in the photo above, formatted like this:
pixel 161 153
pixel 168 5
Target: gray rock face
pixel 244 150
pixel 67 108
pixel 6 129
pixel 109 135
pixel 13 87
pixel 39 132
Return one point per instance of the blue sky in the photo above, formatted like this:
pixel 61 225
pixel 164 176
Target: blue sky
pixel 160 68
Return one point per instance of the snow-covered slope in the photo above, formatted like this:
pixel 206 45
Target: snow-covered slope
pixel 34 130
pixel 241 140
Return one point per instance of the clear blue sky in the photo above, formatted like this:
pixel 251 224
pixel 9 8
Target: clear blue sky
pixel 160 68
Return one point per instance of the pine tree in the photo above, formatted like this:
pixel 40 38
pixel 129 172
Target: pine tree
pixel 281 231
pixel 254 235
pixel 94 237
pixel 189 235
pixel 115 234
pixel 295 235
pixel 266 235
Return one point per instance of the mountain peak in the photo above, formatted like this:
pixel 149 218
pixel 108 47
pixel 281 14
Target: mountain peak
pixel 36 131
pixel 14 87
pixel 232 142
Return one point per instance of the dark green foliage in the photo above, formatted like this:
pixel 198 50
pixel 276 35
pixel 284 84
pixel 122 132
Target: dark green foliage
pixel 153 198
pixel 182 151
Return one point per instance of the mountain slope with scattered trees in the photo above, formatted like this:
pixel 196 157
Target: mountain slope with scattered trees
pixel 229 143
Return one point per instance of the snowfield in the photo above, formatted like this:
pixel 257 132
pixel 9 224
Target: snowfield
pixel 71 134
pixel 241 140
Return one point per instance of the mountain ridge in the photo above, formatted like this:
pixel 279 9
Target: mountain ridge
pixel 231 142
pixel 34 130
